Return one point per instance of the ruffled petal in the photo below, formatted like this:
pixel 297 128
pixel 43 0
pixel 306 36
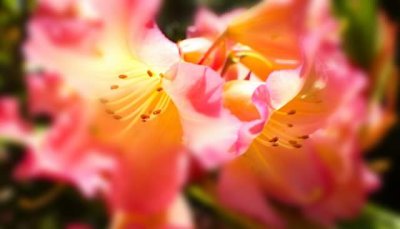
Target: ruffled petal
pixel 211 131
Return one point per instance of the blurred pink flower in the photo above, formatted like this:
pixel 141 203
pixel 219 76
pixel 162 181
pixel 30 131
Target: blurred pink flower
pixel 48 94
pixel 67 153
pixel 12 126
pixel 63 153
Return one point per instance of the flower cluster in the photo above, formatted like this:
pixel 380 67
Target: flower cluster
pixel 264 96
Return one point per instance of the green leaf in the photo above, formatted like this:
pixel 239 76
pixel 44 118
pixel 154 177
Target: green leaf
pixel 360 22
pixel 373 217
pixel 13 5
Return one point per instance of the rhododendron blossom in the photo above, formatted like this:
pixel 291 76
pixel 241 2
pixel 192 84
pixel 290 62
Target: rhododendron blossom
pixel 258 113
pixel 289 161
pixel 142 100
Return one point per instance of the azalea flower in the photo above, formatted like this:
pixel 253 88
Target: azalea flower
pixel 311 85
pixel 267 91
pixel 136 98
pixel 302 84
pixel 326 178
pixel 288 158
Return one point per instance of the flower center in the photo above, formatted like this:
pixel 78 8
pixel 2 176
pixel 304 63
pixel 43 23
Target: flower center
pixel 137 96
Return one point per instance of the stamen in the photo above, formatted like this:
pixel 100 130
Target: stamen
pixel 162 75
pixel 275 139
pixel 138 110
pixel 275 145
pixel 114 87
pixel 122 76
pixel 150 73
pixel 102 100
pixel 117 117
pixel 160 89
pixel 290 125
pixel 292 112
pixel 108 111
pixel 157 112
pixel 304 137
pixel 298 146
pixel 125 98
pixel 144 116
pixel 292 142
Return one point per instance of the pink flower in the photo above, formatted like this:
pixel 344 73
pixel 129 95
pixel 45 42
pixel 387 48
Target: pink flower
pixel 48 94
pixel 290 161
pixel 292 83
pixel 140 108
pixel 314 170
pixel 322 173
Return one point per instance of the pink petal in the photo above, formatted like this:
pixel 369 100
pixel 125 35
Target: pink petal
pixel 48 94
pixel 210 130
pixel 209 25
pixel 240 190
pixel 123 38
pixel 11 124
pixel 283 86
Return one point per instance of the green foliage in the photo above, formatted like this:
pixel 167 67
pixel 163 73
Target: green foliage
pixel 13 14
pixel 359 20
pixel 373 217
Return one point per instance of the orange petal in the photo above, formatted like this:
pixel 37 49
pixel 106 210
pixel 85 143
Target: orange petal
pixel 271 28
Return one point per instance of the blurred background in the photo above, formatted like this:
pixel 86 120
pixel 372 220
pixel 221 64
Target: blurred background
pixel 41 204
